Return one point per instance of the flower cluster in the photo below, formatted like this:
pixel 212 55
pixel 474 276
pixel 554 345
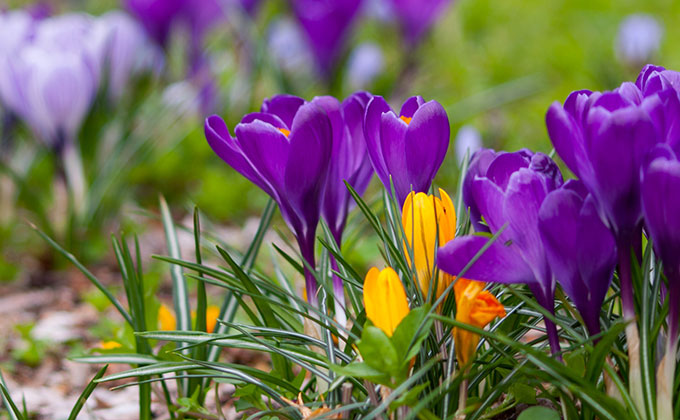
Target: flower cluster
pixel 51 69
pixel 302 154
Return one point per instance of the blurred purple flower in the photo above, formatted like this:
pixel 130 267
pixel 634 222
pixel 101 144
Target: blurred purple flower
pixel 288 46
pixel 284 150
pixel 509 196
pixel 580 249
pixel 416 17
pixel 52 91
pixel 638 40
pixel 326 23
pixel 409 147
pixel 127 51
pixel 468 140
pixel 365 64
pixel 157 16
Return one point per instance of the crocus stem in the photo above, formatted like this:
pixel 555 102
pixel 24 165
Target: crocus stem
pixel 462 396
pixel 75 178
pixel 665 376
pixel 553 338
pixel 632 334
pixel 307 250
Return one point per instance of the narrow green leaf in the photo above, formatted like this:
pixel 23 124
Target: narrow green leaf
pixel 539 413
pixel 86 394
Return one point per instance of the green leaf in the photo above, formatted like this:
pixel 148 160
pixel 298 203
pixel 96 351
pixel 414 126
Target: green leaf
pixel 524 394
pixel 362 370
pixel 378 351
pixel 410 397
pixel 602 349
pixel 410 333
pixel 86 394
pixel 539 413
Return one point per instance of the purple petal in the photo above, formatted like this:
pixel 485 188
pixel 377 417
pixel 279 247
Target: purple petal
pixel 499 263
pixel 504 166
pixel 523 198
pixel 479 163
pixel 372 121
pixel 427 140
pixel 411 106
pixel 661 204
pixel 311 142
pixel 393 144
pixel 283 106
pixel 217 134
pixel 266 148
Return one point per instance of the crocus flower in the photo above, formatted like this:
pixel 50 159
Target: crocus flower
pixel 326 23
pixel 474 306
pixel 638 39
pixel 604 138
pixel 365 64
pixel 52 92
pixel 661 206
pixel 166 318
pixel 284 150
pixel 168 322
pixel 410 147
pixel 416 17
pixel 468 141
pixel 127 51
pixel 428 222
pixel 579 247
pixel 385 299
pixel 157 16
pixel 349 163
pixel 509 197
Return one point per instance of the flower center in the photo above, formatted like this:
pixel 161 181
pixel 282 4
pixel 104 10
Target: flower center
pixel 407 120
pixel 285 132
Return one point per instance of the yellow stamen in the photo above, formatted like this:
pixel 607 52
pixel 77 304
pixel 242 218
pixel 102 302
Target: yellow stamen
pixel 407 120
pixel 285 132
pixel 110 345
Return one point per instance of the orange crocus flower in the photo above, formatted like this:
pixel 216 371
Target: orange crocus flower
pixel 474 306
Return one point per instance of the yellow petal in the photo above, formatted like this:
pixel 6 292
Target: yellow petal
pixel 212 312
pixel 166 319
pixel 110 345
pixel 385 299
pixel 428 222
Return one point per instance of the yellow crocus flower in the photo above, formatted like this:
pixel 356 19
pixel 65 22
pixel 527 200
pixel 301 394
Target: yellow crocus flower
pixel 385 299
pixel 168 322
pixel 428 221
pixel 474 306
pixel 166 318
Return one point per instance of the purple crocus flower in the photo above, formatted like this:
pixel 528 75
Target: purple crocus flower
pixel 284 150
pixel 509 198
pixel 661 206
pixel 604 138
pixel 580 249
pixel 409 147
pixel 52 92
pixel 326 23
pixel 127 51
pixel 416 16
pixel 349 163
pixel 479 165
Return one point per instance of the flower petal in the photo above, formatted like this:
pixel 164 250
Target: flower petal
pixel 500 263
